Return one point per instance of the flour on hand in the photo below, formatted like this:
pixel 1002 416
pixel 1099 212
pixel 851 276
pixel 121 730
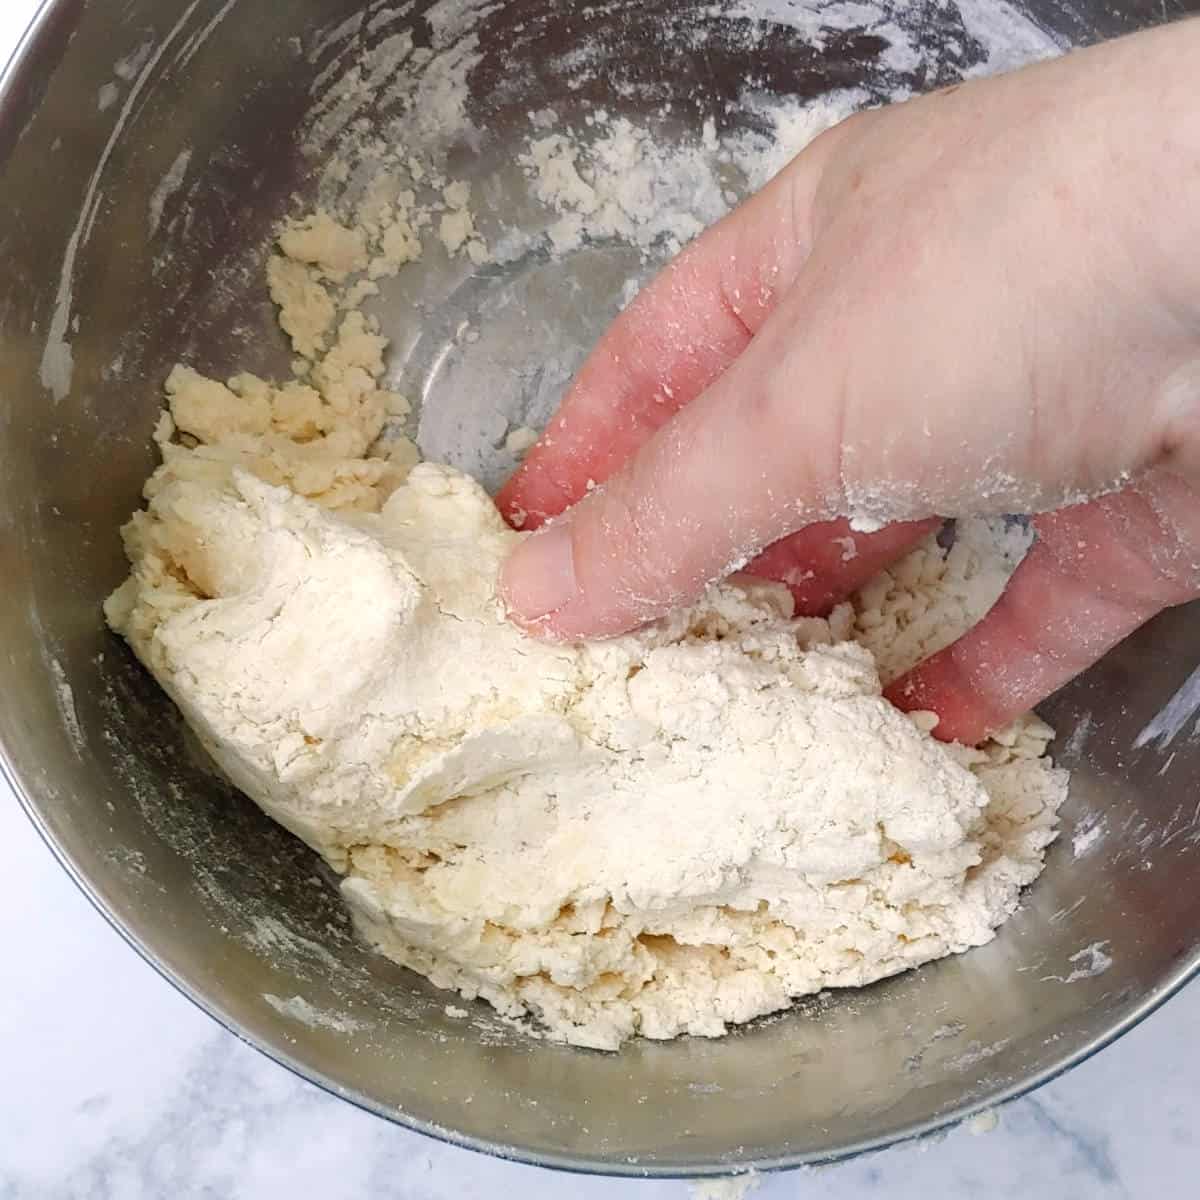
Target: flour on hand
pixel 664 833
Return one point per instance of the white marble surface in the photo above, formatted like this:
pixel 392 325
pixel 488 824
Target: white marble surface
pixel 113 1087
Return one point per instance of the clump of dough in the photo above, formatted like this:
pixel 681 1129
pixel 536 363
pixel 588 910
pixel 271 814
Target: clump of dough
pixel 934 594
pixel 319 434
pixel 664 833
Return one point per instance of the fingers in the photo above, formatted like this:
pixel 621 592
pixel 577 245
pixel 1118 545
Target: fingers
pixel 1096 573
pixel 678 335
pixel 733 471
pixel 824 563
pixel 676 338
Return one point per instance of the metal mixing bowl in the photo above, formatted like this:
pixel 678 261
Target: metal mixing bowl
pixel 111 276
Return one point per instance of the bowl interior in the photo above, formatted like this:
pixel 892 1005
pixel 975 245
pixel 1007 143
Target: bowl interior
pixel 149 149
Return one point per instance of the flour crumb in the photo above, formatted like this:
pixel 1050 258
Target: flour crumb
pixel 849 548
pixel 622 185
pixel 933 595
pixel 170 183
pixel 861 522
pixel 520 440
pixel 983 1122
pixel 319 241
pixel 296 1008
pixel 1087 963
pixel 64 695
pixel 1091 829
pixel 457 228
pixel 735 1187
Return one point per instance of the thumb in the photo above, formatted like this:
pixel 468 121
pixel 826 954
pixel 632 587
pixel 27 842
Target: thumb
pixel 730 473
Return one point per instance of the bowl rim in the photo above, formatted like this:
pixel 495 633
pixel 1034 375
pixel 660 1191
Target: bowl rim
pixel 10 73
pixel 582 1165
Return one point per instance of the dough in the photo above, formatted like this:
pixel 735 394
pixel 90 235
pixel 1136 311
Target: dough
pixel 663 833
pixel 658 834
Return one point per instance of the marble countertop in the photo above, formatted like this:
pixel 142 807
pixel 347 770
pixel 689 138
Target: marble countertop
pixel 116 1088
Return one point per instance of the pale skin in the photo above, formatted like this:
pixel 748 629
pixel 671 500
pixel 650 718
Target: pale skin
pixel 986 300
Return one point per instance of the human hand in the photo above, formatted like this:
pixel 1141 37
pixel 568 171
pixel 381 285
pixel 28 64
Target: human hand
pixel 983 301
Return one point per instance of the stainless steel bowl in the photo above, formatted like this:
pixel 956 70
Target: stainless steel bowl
pixel 101 105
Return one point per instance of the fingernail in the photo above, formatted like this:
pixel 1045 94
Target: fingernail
pixel 539 577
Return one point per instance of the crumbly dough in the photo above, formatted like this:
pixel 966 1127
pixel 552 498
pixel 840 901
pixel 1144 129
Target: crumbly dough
pixel 663 833
pixel 520 440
